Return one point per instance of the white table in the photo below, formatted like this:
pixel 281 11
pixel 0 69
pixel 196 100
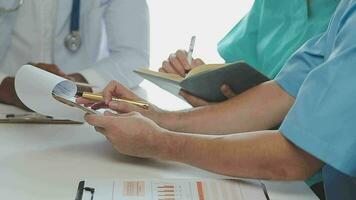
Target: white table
pixel 47 161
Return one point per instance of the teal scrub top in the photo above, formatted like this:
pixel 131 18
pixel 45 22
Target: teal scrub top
pixel 273 30
pixel 322 77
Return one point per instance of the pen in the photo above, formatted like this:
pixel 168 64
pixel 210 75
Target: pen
pixel 98 97
pixel 191 49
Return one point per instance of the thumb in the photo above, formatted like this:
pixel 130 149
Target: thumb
pixel 227 91
pixel 109 114
pixel 193 100
pixel 97 120
pixel 198 62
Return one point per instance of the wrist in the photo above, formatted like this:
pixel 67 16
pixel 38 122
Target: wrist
pixel 171 145
pixel 168 120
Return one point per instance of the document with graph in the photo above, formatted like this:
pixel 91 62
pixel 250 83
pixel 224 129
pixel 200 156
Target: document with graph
pixel 171 189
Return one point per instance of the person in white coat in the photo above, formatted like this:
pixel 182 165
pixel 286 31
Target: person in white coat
pixel 113 40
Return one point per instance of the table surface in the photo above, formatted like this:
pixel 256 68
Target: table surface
pixel 47 161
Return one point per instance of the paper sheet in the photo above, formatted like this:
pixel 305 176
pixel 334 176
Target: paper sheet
pixel 175 189
pixel 34 87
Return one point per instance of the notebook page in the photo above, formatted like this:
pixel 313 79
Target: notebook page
pixel 34 87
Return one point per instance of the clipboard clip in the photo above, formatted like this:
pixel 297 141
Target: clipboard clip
pixel 29 116
pixel 82 189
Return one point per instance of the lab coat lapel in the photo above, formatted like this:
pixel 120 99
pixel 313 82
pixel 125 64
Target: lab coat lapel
pixel 63 13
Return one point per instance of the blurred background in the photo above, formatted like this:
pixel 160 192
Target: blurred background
pixel 174 22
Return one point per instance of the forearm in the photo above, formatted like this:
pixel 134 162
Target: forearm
pixel 260 108
pixel 261 155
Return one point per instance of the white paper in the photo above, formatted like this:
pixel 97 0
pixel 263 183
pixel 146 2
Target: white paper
pixel 34 87
pixel 175 189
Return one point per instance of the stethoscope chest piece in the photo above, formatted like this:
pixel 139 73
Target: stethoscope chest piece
pixel 73 41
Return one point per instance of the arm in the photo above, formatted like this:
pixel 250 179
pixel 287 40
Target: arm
pixel 127 29
pixel 259 108
pixel 264 154
pixel 262 107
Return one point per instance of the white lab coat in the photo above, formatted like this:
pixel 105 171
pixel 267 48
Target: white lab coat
pixel 120 26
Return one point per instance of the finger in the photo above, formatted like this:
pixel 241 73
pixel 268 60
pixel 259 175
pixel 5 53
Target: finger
pixel 109 91
pixel 168 68
pixel 100 130
pixel 108 113
pixel 227 91
pixel 115 89
pixel 100 105
pixel 82 100
pixel 123 107
pixel 162 70
pixel 197 62
pixel 193 100
pixel 58 71
pixel 176 64
pixel 182 56
pixel 97 120
pixel 52 68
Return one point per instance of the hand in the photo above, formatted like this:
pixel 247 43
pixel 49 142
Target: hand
pixel 8 93
pixel 177 63
pixel 115 89
pixel 131 133
pixel 52 68
pixel 196 101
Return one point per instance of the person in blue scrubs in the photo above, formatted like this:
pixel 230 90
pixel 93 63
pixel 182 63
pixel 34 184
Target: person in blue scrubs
pixel 313 97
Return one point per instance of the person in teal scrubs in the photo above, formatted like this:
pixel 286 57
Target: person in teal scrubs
pixel 265 38
pixel 274 30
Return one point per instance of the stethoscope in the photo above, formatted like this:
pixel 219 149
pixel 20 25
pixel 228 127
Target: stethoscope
pixel 73 40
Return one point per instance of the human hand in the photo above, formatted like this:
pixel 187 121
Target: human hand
pixel 196 101
pixel 8 93
pixel 177 63
pixel 131 134
pixel 116 90
pixel 52 68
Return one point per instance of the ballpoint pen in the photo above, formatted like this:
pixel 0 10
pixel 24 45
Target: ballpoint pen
pixel 191 49
pixel 98 97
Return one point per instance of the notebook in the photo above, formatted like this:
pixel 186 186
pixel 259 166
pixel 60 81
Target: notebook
pixel 205 81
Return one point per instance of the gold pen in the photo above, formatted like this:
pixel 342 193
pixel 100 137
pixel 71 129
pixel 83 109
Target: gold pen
pixel 98 97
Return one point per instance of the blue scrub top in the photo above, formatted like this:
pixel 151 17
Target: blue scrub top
pixel 322 77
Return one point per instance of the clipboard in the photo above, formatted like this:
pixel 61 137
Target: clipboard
pixel 33 118
pixel 171 189
pixel 74 104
